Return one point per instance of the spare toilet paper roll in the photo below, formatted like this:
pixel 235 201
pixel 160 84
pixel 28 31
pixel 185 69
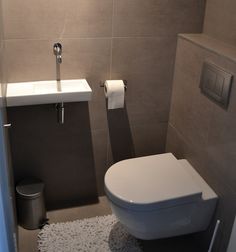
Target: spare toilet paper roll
pixel 115 93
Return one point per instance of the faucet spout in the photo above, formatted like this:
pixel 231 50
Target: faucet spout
pixel 57 49
pixel 59 59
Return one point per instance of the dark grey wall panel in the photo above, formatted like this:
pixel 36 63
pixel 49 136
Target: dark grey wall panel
pixel 60 155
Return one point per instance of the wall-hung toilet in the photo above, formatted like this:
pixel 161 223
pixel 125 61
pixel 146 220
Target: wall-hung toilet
pixel 159 196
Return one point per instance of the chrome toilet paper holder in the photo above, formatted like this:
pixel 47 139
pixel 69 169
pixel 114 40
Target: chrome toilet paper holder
pixel 102 84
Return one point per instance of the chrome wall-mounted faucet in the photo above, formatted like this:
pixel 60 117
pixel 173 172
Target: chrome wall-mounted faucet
pixel 57 49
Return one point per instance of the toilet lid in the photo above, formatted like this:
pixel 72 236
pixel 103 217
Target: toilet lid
pixel 151 182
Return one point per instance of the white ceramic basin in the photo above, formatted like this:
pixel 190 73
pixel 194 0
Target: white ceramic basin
pixel 44 92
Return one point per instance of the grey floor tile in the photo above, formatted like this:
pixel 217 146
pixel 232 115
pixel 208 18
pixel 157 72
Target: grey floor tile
pixel 28 238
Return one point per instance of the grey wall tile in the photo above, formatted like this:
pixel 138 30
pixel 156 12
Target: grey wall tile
pixel 121 145
pixel 33 19
pixel 57 19
pixel 147 65
pixel 89 59
pixel 220 20
pixel 100 145
pixel 149 139
pixel 136 141
pixel 87 31
pixel 175 143
pixel 84 58
pixel 29 60
pixel 203 133
pixel 157 17
pixel 190 109
pixel 137 56
pixel 181 148
pixel 198 157
pixel 89 18
pixel 98 115
pixel 221 147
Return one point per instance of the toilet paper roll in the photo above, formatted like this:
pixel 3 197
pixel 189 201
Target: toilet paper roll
pixel 115 93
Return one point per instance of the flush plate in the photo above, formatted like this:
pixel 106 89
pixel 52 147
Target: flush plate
pixel 216 83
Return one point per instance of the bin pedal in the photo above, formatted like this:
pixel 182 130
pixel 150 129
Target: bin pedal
pixel 44 223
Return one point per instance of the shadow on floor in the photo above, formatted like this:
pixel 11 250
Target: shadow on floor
pixel 186 243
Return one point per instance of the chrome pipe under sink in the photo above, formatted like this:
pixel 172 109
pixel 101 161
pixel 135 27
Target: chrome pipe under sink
pixel 57 49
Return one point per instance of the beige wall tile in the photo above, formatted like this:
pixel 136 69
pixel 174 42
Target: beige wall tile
pixel 31 19
pixel 147 65
pixel 157 17
pixel 100 139
pixel 87 58
pixel 204 133
pixel 84 27
pixel 189 107
pixel 34 60
pixel 90 18
pixel 29 60
pixel 149 139
pixel 220 20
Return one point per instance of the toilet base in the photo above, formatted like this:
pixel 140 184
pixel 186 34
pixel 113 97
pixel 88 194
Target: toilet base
pixel 164 223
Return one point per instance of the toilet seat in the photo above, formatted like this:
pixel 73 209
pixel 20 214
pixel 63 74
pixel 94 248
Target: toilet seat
pixel 150 183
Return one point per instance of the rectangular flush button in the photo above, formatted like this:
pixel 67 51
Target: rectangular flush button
pixel 216 83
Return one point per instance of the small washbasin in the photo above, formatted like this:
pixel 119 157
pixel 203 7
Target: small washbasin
pixel 44 92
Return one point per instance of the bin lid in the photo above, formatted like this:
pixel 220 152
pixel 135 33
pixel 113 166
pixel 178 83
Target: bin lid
pixel 30 188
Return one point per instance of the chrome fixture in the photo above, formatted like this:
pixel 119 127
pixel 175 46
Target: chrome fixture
pixel 7 125
pixel 214 235
pixel 60 112
pixel 102 84
pixel 57 49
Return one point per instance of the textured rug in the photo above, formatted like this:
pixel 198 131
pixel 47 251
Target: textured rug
pixel 100 234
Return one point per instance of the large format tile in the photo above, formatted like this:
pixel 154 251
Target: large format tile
pixel 100 152
pixel 157 17
pixel 90 18
pixel 190 109
pixel 143 56
pixel 149 139
pixel 83 58
pixel 219 20
pixel 89 59
pixel 1 25
pixel 148 100
pixel 98 114
pixel 120 145
pixel 221 146
pixel 203 133
pixel 57 19
pixel 147 65
pixel 201 121
pixel 33 19
pixel 29 60
pixel 177 144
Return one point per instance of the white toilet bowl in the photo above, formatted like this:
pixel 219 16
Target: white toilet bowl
pixel 159 196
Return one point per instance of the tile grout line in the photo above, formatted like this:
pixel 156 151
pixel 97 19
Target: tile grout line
pixel 84 38
pixel 111 58
pixel 112 28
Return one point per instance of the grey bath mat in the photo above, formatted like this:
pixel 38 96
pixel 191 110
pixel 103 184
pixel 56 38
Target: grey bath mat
pixel 100 234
